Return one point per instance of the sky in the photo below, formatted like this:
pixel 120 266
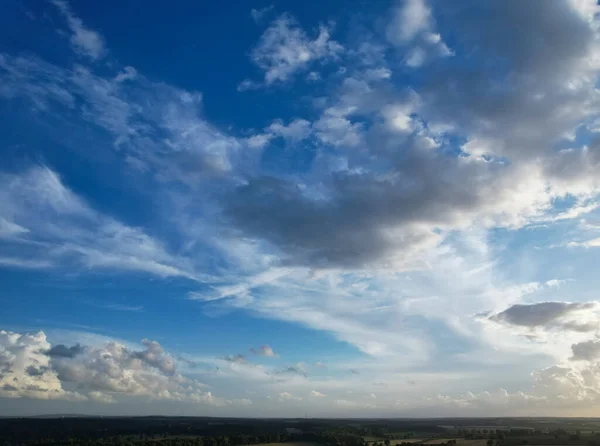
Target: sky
pixel 331 208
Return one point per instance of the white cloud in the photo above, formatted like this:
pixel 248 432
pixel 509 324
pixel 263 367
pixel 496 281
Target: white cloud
pixel 413 28
pixel 128 73
pixel 101 372
pixel 285 48
pixel 415 58
pixel 286 396
pixel 411 18
pixel 101 397
pixel 259 14
pixel 317 394
pixel 593 243
pixel 336 129
pixel 25 371
pixel 74 231
pixel 313 76
pixel 10 230
pixel 84 40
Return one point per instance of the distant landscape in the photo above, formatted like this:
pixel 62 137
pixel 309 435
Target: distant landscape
pixel 191 431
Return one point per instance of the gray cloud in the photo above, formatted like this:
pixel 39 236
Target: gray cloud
pixel 520 99
pixel 548 315
pixel 581 327
pixel 62 351
pixel 543 314
pixel 365 218
pixel 154 356
pixel 264 350
pixel 36 371
pixel 188 362
pixel 586 351
pixel 297 369
pixel 238 359
pixel 113 368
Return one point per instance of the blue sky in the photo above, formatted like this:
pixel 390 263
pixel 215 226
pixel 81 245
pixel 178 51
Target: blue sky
pixel 262 209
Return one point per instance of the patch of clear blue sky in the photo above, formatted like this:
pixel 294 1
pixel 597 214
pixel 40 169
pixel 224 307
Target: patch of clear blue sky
pixel 83 299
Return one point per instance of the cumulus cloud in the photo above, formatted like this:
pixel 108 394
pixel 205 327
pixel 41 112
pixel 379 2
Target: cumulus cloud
pixel 100 373
pixel 388 199
pixel 317 394
pixel 285 48
pixel 154 356
pixel 25 370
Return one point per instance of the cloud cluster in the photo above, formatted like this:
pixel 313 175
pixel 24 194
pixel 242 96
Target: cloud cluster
pixel 285 48
pixel 31 368
pixel 25 369
pixel 400 190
